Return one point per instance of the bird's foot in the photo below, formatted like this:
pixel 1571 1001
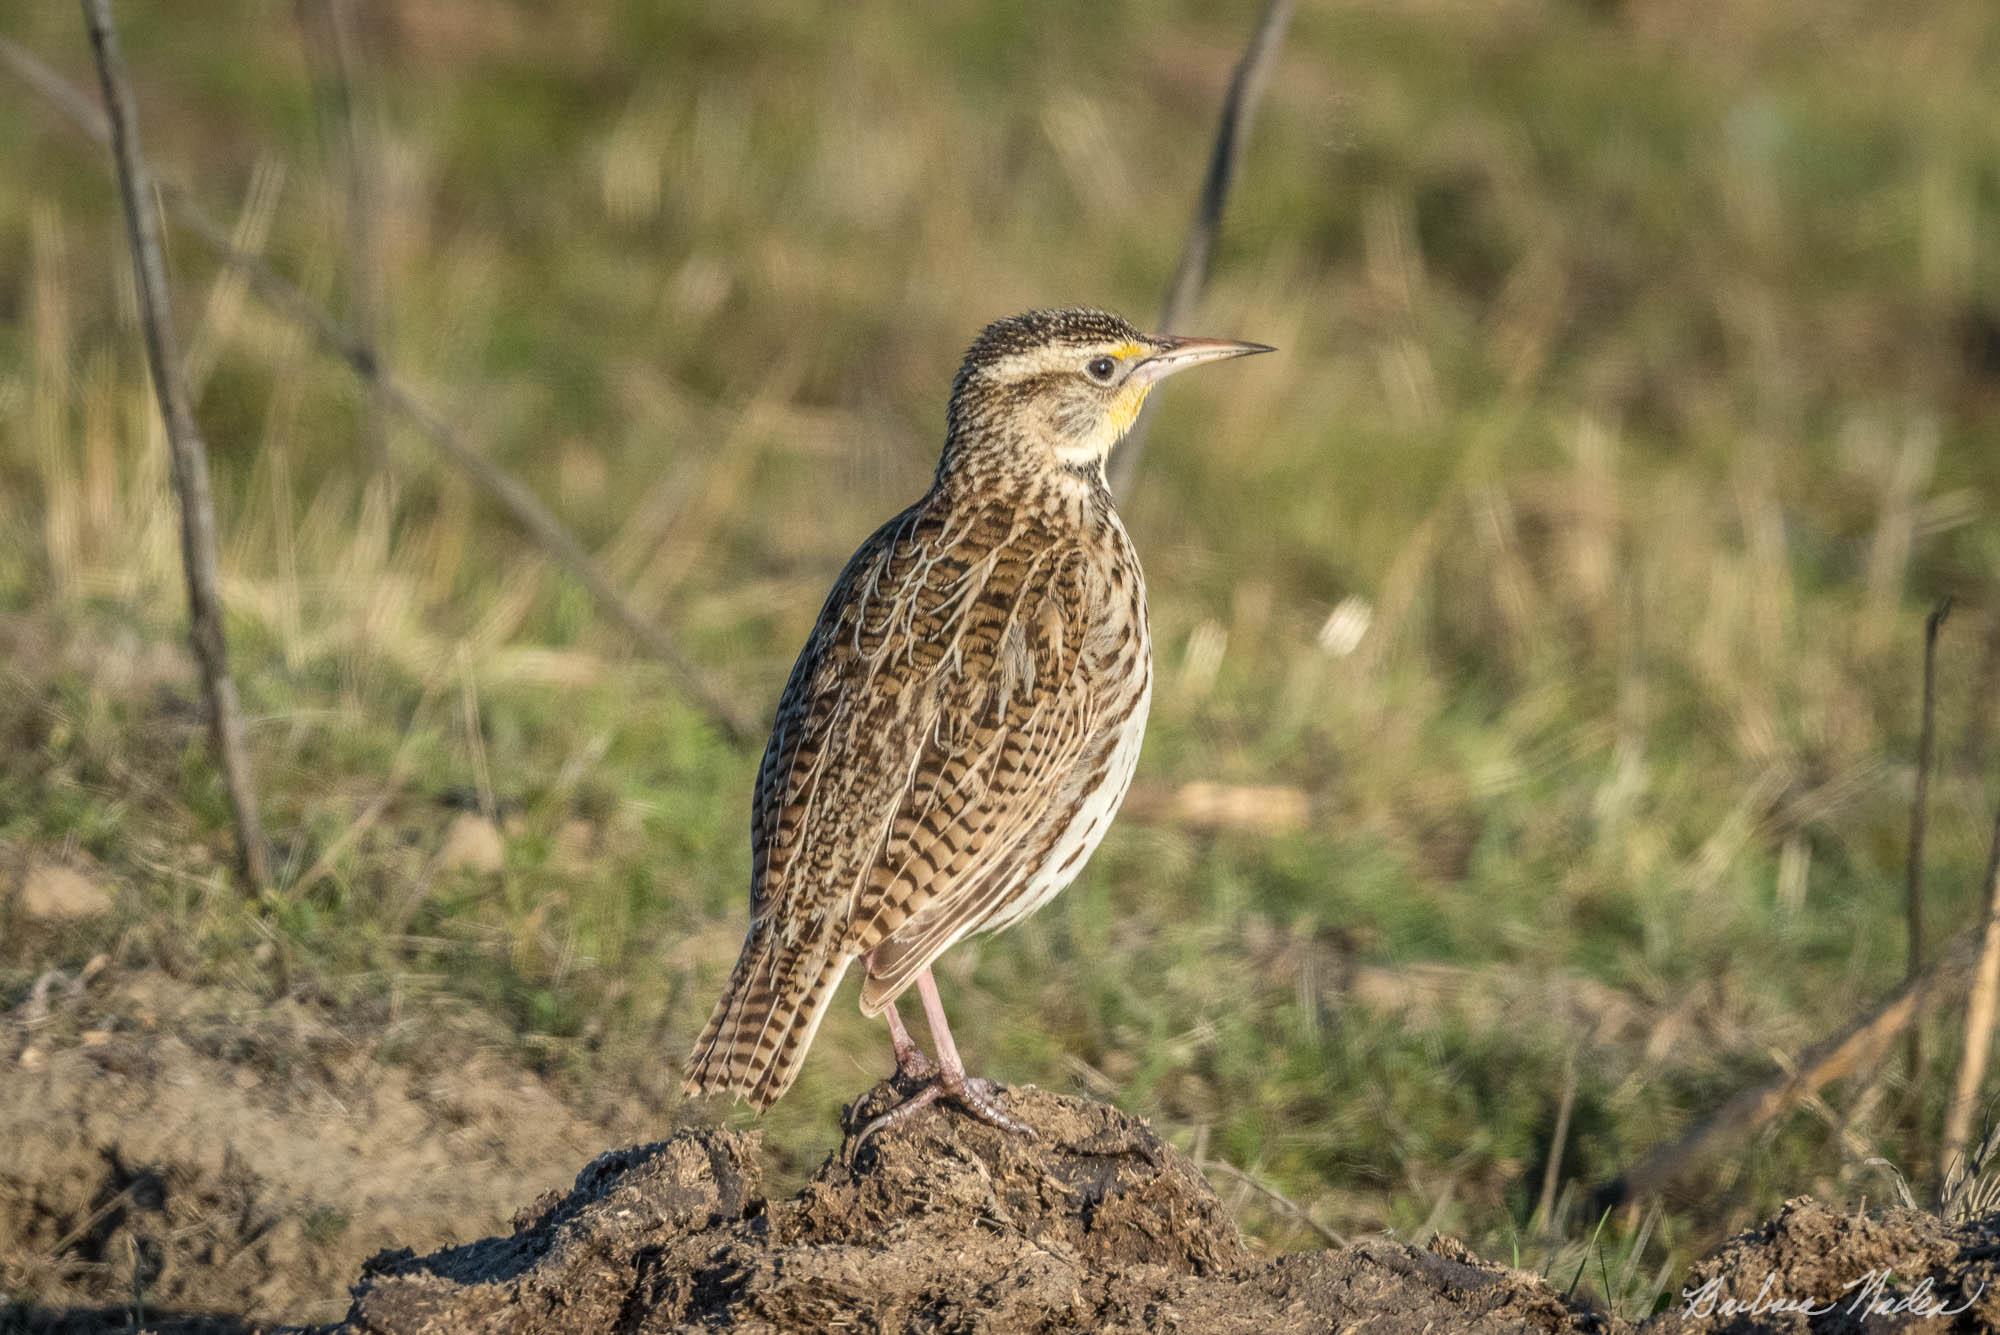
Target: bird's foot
pixel 979 1097
pixel 913 1065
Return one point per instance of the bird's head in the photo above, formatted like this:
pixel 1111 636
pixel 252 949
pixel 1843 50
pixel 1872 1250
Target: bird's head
pixel 1059 388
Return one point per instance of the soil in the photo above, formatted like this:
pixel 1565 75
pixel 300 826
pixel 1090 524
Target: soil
pixel 1830 1272
pixel 212 1152
pixel 231 1165
pixel 939 1224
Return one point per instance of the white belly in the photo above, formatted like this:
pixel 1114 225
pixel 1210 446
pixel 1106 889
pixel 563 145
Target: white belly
pixel 1080 838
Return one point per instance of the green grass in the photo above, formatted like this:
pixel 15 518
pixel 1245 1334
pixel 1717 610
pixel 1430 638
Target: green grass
pixel 1638 377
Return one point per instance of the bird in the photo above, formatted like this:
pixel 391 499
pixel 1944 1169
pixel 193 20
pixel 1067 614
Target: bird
pixel 964 719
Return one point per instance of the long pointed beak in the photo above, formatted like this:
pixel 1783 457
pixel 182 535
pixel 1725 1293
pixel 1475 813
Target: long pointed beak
pixel 1178 354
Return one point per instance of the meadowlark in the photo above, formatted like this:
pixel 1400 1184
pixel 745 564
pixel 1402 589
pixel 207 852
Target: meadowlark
pixel 963 722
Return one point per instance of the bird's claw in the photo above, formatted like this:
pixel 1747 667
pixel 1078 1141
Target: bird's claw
pixel 981 1098
pixel 977 1096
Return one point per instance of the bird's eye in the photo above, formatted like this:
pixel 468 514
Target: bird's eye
pixel 1101 369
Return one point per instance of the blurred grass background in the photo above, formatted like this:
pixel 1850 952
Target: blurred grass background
pixel 1563 579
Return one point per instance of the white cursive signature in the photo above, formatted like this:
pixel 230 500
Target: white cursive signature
pixel 1870 1297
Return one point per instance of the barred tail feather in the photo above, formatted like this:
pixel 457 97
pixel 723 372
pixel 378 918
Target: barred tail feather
pixel 755 1042
pixel 708 1065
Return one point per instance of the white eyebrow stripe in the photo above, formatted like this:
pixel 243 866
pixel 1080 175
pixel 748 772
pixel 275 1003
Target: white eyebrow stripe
pixel 1041 361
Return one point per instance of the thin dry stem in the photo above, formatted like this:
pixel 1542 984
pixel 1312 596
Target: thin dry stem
pixel 1853 1049
pixel 1239 105
pixel 328 29
pixel 189 454
pixel 1276 1197
pixel 1545 1208
pixel 1980 1012
pixel 1913 876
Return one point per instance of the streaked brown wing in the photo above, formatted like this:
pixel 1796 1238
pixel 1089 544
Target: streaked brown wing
pixel 935 711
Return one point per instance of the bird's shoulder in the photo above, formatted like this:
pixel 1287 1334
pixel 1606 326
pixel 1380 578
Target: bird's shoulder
pixel 946 592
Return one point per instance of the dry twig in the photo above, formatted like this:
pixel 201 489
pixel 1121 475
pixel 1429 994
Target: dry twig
pixel 1276 1197
pixel 1191 273
pixel 189 454
pixel 1545 1208
pixel 1862 1042
pixel 1919 819
pixel 1980 1012
pixel 541 526
pixel 327 27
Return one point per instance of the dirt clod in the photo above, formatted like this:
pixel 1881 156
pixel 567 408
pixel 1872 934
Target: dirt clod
pixel 1829 1272
pixel 939 1224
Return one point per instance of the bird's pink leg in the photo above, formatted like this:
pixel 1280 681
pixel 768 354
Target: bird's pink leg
pixel 910 1059
pixel 976 1096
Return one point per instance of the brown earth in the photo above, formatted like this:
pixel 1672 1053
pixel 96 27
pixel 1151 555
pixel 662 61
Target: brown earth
pixel 232 1163
pixel 941 1224
pixel 1813 1268
pixel 215 1152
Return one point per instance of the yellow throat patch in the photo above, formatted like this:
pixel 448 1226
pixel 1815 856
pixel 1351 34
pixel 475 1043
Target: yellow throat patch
pixel 1125 408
